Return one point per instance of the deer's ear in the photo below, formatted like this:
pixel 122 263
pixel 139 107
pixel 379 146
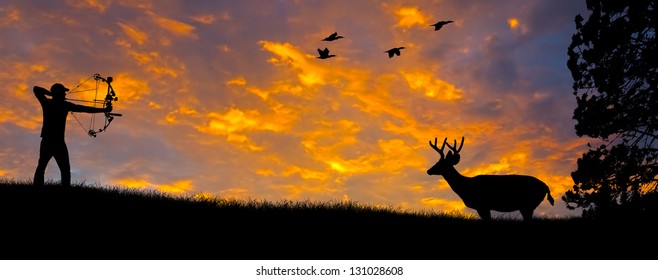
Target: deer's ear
pixel 453 158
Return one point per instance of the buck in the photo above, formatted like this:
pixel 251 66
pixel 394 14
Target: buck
pixel 484 193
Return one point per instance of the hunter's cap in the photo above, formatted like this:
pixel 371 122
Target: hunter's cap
pixel 58 88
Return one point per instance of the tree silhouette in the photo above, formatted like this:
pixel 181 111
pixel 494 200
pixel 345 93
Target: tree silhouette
pixel 612 59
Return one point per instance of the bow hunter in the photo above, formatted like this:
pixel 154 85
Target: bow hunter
pixel 55 112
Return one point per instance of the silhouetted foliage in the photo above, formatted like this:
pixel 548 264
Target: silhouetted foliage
pixel 612 58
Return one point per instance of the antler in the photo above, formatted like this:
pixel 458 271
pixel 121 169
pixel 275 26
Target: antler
pixel 453 148
pixel 436 148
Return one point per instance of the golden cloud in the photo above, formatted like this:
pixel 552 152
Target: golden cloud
pixel 330 142
pixel 152 60
pixel 129 89
pixel 173 26
pixel 310 73
pixel 398 155
pixel 236 122
pixel 376 100
pixel 31 122
pixel 305 173
pixel 233 120
pixel 9 15
pixel 279 87
pixel 133 33
pixel 239 81
pixel 558 184
pixel 163 70
pixel 205 19
pixel 515 24
pixel 305 191
pixel 236 192
pixel 410 16
pixel 22 88
pixel 432 88
pixel 446 205
pixel 175 187
pixel 514 161
pixel 183 110
pixel 98 5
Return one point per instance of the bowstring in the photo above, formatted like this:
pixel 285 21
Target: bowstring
pixel 92 120
pixel 93 116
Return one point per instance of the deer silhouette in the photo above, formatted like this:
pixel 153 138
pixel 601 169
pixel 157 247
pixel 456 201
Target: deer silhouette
pixel 503 193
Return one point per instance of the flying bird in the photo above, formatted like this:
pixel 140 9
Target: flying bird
pixel 324 54
pixel 394 51
pixel 332 37
pixel 440 24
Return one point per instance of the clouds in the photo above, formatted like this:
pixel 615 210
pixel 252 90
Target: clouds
pixel 228 98
pixel 432 88
pixel 410 16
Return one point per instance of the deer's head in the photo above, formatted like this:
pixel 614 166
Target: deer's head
pixel 447 160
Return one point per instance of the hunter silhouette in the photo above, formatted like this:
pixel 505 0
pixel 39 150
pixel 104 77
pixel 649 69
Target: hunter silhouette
pixel 55 111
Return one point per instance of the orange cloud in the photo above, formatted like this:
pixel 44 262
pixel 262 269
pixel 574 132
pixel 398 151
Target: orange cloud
pixel 305 173
pixel 240 81
pixel 133 33
pixel 236 192
pixel 397 155
pixel 279 87
pixel 205 19
pixel 515 24
pixel 98 5
pixel 31 122
pixel 331 143
pixel 433 88
pixel 173 26
pixel 183 110
pixel 9 15
pixel 446 205
pixel 163 70
pixel 305 191
pixel 410 16
pixel 236 122
pixel 152 60
pixel 129 89
pixel 310 73
pixel 511 163
pixel 175 187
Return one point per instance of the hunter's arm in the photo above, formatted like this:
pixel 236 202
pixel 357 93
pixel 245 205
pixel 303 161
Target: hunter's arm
pixel 40 93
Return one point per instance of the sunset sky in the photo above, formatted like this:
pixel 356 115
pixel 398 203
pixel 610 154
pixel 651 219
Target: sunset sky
pixel 227 98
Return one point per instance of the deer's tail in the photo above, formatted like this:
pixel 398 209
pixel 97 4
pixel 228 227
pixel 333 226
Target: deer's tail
pixel 549 197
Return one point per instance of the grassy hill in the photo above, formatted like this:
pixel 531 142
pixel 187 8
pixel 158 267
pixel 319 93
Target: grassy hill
pixel 99 222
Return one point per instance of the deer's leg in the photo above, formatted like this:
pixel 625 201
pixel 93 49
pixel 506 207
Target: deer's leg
pixel 527 214
pixel 485 214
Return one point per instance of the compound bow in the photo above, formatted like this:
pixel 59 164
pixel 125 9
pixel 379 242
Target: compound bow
pixel 110 96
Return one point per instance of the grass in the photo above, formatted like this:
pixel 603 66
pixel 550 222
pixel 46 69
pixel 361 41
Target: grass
pixel 104 222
